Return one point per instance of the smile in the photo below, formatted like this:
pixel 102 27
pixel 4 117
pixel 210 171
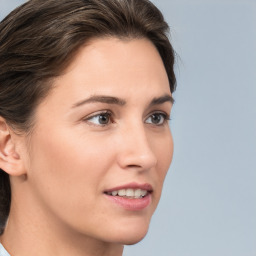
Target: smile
pixel 132 197
pixel 129 193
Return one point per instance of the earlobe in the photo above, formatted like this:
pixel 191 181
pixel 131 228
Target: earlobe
pixel 10 160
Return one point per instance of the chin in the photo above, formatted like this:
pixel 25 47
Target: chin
pixel 129 235
pixel 131 239
pixel 134 240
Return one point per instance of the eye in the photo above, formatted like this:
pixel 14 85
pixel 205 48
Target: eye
pixel 100 119
pixel 157 118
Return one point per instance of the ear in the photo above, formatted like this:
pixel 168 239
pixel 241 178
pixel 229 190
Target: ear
pixel 10 160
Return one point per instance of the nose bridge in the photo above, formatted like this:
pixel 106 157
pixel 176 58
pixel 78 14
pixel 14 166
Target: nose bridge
pixel 136 149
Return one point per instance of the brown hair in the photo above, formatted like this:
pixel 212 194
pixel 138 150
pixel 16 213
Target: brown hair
pixel 39 39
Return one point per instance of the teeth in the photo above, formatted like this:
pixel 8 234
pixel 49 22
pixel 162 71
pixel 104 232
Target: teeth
pixel 114 193
pixel 131 193
pixel 138 193
pixel 121 192
pixel 143 192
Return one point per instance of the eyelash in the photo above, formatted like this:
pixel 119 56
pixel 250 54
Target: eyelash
pixel 109 115
pixel 165 117
pixel 103 113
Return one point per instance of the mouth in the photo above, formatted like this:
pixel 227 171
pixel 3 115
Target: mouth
pixel 131 196
pixel 129 193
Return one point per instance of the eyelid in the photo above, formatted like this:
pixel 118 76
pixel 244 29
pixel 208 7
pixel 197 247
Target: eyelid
pixel 110 114
pixel 100 112
pixel 165 115
pixel 95 114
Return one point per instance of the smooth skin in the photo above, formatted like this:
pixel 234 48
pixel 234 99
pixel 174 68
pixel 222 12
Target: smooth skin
pixel 103 125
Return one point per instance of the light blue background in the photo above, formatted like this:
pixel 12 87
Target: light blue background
pixel 208 207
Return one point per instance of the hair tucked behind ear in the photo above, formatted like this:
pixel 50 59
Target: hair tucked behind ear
pixel 39 39
pixel 5 198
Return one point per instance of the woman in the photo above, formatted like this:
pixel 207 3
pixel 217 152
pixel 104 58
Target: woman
pixel 85 97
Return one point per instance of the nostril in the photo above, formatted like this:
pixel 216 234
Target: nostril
pixel 136 160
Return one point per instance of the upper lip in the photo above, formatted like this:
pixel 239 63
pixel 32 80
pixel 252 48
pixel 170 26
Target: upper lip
pixel 132 185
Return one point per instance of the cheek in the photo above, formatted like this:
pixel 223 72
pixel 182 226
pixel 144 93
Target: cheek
pixel 164 152
pixel 67 172
pixel 68 166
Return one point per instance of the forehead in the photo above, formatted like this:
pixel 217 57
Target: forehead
pixel 107 59
pixel 111 66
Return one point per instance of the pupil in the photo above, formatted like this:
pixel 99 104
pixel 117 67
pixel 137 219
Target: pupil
pixel 104 119
pixel 156 119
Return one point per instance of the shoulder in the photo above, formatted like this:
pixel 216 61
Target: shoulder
pixel 3 252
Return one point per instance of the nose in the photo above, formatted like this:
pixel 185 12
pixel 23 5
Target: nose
pixel 135 150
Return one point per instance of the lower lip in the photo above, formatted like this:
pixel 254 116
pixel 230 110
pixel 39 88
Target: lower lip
pixel 134 204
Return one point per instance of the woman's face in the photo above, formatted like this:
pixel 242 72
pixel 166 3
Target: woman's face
pixel 101 146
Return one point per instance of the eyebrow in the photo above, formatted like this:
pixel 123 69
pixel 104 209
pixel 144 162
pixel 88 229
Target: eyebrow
pixel 161 100
pixel 121 102
pixel 101 99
